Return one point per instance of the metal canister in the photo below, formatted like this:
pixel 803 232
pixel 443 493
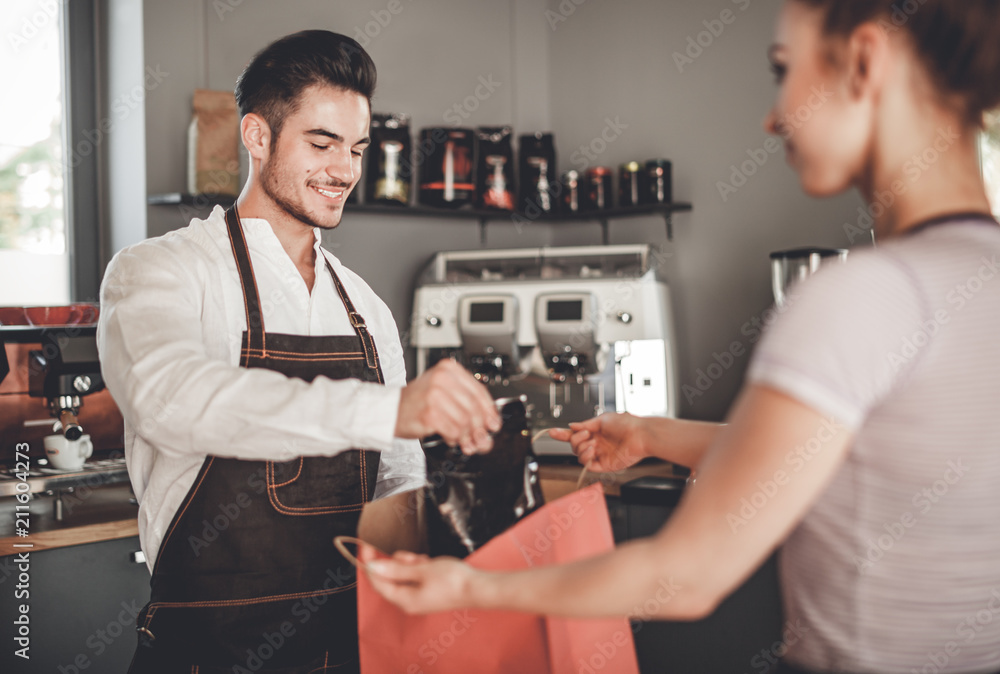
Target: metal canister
pixel 659 182
pixel 571 196
pixel 630 184
pixel 598 188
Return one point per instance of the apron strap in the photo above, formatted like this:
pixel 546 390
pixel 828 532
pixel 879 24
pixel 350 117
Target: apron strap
pixel 357 321
pixel 256 340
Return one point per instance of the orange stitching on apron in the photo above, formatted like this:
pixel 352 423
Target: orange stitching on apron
pixel 307 358
pixel 270 472
pixel 253 278
pixel 177 520
pixel 302 512
pixel 326 664
pixel 364 479
pixel 367 341
pixel 150 612
pixel 297 353
pixel 243 602
pixel 194 669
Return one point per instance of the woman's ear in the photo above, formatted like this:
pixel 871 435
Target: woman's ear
pixel 867 59
pixel 256 135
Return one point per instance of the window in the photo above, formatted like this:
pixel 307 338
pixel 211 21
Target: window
pixel 990 150
pixel 33 244
pixel 48 205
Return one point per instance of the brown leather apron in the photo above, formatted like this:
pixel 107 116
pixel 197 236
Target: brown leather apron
pixel 247 578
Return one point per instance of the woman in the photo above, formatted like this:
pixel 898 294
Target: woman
pixel 866 438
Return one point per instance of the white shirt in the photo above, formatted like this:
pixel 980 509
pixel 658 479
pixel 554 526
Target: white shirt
pixel 896 568
pixel 169 336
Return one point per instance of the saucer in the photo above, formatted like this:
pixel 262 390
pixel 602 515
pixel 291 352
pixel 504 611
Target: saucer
pixel 57 471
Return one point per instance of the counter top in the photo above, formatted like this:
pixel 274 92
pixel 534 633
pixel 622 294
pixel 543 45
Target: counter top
pixel 90 516
pixel 560 479
pixel 105 513
pixel 106 469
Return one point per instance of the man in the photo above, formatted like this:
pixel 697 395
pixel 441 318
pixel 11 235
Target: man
pixel 263 388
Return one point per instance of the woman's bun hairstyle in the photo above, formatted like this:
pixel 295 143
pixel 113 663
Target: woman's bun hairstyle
pixel 957 40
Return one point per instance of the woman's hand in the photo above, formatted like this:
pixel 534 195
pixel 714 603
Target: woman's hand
pixel 608 443
pixel 419 584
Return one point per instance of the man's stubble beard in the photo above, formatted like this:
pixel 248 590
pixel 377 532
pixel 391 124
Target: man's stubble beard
pixel 270 180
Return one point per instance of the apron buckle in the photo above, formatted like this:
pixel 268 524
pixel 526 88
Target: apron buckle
pixel 148 637
pixel 357 321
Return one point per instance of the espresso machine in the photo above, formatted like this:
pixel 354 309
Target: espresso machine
pixel 577 330
pixel 63 371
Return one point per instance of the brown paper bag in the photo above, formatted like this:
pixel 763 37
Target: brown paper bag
pixel 213 144
pixel 395 523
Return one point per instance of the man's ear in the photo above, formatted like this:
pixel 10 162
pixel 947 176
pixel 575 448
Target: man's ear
pixel 867 59
pixel 256 135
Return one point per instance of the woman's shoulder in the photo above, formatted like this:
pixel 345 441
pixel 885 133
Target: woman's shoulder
pixel 869 276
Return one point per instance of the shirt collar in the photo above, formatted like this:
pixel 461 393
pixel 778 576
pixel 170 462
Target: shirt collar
pixel 260 230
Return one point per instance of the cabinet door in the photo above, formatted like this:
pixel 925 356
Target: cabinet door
pixel 82 607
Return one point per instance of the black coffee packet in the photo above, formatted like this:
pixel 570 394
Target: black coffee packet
pixel 471 499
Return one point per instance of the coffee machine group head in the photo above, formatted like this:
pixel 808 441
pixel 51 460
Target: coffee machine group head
pixel 64 371
pixel 488 325
pixel 566 327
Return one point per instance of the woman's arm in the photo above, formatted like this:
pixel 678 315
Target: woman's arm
pixel 759 477
pixel 613 442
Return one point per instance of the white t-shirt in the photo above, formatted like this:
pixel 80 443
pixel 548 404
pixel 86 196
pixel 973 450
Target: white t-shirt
pixel 896 568
pixel 169 335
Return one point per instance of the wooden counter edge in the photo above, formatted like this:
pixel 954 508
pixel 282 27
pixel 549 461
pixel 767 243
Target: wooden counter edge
pixel 61 538
pixel 561 479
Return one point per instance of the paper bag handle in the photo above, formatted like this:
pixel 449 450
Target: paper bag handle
pixel 339 543
pixel 583 473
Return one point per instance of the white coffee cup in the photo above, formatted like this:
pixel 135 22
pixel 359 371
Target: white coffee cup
pixel 66 454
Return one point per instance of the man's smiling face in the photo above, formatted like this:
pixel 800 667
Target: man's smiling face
pixel 316 159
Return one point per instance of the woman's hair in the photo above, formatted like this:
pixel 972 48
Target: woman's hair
pixel 957 40
pixel 273 81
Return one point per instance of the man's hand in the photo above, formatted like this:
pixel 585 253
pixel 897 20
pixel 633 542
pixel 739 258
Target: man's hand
pixel 449 401
pixel 608 443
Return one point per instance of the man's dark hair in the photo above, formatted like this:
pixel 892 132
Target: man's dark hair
pixel 272 83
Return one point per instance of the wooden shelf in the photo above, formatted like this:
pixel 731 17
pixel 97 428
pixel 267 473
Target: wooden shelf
pixel 484 217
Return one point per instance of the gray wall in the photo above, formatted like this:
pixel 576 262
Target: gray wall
pixel 617 59
pixel 565 66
